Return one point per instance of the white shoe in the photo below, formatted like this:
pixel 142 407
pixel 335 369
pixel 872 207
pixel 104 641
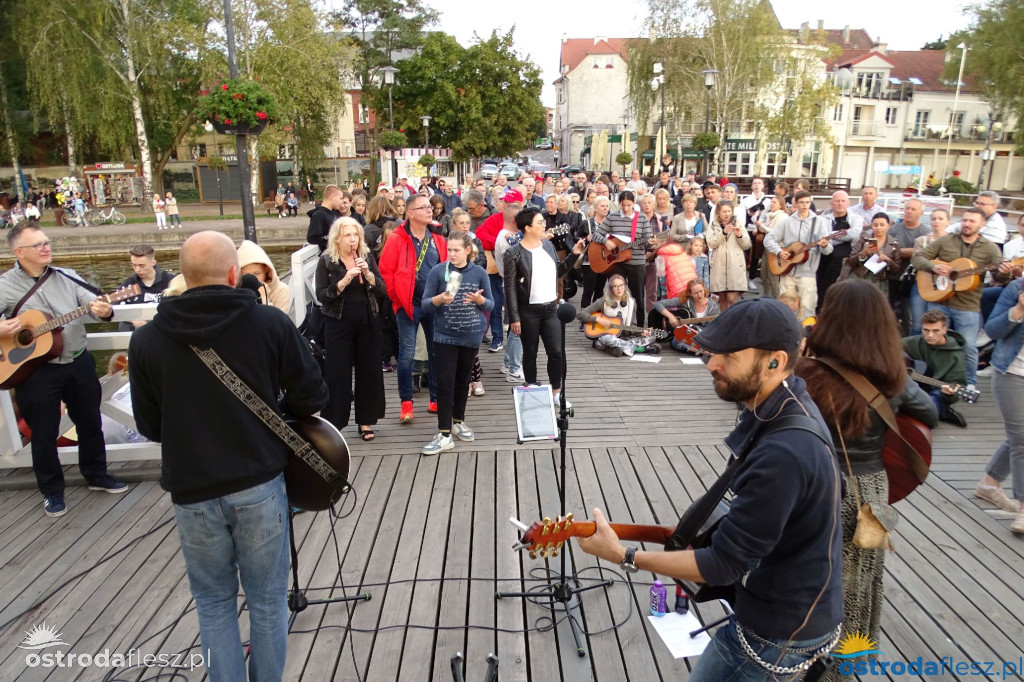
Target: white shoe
pixel 504 369
pixel 1018 523
pixel 987 372
pixel 994 494
pixel 441 443
pixel 463 432
pixel 478 388
pixel 983 338
pixel 516 378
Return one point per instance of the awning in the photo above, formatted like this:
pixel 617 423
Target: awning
pixel 674 153
pixel 586 150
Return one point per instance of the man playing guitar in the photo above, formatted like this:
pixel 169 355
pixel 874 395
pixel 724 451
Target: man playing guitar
pixel 33 284
pixel 780 544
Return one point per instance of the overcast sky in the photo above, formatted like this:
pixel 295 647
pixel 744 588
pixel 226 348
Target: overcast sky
pixel 539 30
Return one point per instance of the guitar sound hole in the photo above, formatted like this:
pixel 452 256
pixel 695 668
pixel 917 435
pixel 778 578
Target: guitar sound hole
pixel 24 337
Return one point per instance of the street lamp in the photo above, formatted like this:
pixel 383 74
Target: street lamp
pixel 659 78
pixel 952 115
pixel 709 82
pixel 426 129
pixel 389 80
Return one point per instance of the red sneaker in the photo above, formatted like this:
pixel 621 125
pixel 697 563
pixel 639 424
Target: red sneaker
pixel 432 406
pixel 406 412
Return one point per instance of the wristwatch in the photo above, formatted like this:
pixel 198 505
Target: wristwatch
pixel 627 564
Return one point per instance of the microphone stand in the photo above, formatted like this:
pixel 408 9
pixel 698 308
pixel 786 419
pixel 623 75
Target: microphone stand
pixel 568 586
pixel 297 600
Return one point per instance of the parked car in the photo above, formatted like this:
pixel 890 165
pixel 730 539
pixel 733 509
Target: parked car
pixel 569 170
pixel 539 169
pixel 510 171
pixel 488 171
pixel 545 144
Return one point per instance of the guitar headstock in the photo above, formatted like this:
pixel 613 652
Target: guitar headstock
pixel 968 395
pixel 545 538
pixel 123 294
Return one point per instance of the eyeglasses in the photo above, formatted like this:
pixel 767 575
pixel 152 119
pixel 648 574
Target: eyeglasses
pixel 38 246
pixel 425 207
pixel 979 202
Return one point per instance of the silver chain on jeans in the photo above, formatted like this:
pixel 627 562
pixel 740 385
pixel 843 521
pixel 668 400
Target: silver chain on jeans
pixel 779 670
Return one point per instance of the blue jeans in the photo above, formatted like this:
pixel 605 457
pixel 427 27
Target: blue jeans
pixel 498 292
pixel 967 323
pixel 918 307
pixel 514 353
pixel 725 661
pixel 244 533
pixel 407 349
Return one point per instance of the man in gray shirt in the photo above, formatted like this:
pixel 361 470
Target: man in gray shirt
pixel 905 232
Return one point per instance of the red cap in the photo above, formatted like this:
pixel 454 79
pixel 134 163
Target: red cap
pixel 513 196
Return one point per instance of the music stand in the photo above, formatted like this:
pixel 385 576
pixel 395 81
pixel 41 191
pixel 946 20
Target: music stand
pixel 561 592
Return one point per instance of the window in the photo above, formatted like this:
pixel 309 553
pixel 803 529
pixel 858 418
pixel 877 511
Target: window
pixel 775 164
pixel 890 116
pixel 810 160
pixel 956 121
pixel 561 96
pixel 739 164
pixel 609 63
pixel 921 123
pixel 837 113
pixel 869 83
pixel 286 151
pixel 364 113
pixel 199 151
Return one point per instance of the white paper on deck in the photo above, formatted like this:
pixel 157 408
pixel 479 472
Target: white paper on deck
pixel 646 358
pixel 675 629
pixel 691 361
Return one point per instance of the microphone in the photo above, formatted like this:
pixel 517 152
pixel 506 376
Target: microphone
pixel 566 312
pixel 251 283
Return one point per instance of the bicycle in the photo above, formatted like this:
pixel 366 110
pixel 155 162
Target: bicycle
pixel 72 219
pixel 96 216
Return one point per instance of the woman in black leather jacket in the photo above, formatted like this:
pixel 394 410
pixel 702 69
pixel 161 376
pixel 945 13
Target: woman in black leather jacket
pixel 531 294
pixel 857 329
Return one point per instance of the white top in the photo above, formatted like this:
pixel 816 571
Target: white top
pixel 501 245
pixel 636 186
pixel 1011 249
pixel 543 287
pixel 994 230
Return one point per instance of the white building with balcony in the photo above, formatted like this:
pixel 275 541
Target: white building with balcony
pixel 897 108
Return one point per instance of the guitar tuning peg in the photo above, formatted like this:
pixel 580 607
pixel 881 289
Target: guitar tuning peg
pixel 555 528
pixel 553 553
pixel 546 521
pixel 533 554
pixel 568 517
pixel 559 545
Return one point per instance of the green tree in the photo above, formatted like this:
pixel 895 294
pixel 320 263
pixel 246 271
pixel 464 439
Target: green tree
pixel 939 44
pixel 743 41
pixel 484 99
pixel 994 59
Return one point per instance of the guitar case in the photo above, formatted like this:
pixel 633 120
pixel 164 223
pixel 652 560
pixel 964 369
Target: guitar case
pixel 697 526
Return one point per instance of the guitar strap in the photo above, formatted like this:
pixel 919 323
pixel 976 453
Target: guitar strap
pixel 302 449
pixel 881 406
pixel 35 287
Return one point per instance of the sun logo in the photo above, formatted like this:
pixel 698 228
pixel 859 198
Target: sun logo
pixel 41 637
pixel 854 645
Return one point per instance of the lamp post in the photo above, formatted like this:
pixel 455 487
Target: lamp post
pixel 389 80
pixel 986 154
pixel 426 130
pixel 241 146
pixel 659 78
pixel 952 115
pixel 624 140
pixel 709 82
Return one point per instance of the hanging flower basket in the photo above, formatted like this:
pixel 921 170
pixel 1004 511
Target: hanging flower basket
pixel 237 107
pixel 392 140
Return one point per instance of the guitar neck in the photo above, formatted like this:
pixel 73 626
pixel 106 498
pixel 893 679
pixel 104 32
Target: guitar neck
pixel 927 380
pixel 61 320
pixel 630 532
pixel 834 235
pixel 689 320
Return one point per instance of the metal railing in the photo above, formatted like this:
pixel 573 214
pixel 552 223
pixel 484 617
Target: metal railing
pixel 867 129
pixel 963 133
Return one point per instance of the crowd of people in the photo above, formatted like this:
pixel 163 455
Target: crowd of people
pixel 429 276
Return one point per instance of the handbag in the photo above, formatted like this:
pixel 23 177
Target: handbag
pixel 906 453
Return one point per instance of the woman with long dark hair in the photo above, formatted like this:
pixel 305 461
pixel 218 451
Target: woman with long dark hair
pixel 349 288
pixel 857 330
pixel 532 270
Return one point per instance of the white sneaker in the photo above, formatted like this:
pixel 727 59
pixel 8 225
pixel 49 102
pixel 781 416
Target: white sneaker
pixel 441 443
pixel 504 369
pixel 983 338
pixel 1018 523
pixel 463 432
pixel 516 378
pixel 478 387
pixel 987 372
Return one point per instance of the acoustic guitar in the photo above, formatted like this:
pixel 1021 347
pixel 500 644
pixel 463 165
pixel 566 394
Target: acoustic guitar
pixel 307 488
pixel 965 394
pixel 964 275
pixel 39 340
pixel 906 467
pixel 801 252
pixel 614 326
pixel 604 257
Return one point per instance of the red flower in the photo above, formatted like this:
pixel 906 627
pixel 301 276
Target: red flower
pixel 204 92
pixel 956 173
pixel 237 95
pixel 227 121
pixel 261 115
pixel 288 128
pixel 224 86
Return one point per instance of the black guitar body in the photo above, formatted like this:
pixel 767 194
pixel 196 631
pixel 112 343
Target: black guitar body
pixel 307 489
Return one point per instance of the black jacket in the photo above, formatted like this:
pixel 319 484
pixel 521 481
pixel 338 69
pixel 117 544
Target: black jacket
pixel 519 275
pixel 212 444
pixel 320 221
pixel 329 273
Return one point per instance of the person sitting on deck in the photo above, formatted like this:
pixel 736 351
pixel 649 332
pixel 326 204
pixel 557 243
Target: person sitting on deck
pixel 696 302
pixel 619 305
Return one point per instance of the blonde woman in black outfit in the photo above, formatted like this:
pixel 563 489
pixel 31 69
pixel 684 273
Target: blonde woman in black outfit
pixel 532 271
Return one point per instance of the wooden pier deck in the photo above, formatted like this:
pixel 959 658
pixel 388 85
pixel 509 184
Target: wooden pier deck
pixel 428 539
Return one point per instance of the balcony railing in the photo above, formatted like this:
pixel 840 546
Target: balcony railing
pixel 880 91
pixel 963 133
pixel 867 129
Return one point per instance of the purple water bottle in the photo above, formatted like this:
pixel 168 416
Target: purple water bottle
pixel 659 599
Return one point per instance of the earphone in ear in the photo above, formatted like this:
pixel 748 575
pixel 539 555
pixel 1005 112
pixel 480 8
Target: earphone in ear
pixel 773 364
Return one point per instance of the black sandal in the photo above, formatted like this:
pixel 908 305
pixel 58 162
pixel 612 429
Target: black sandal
pixel 367 435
